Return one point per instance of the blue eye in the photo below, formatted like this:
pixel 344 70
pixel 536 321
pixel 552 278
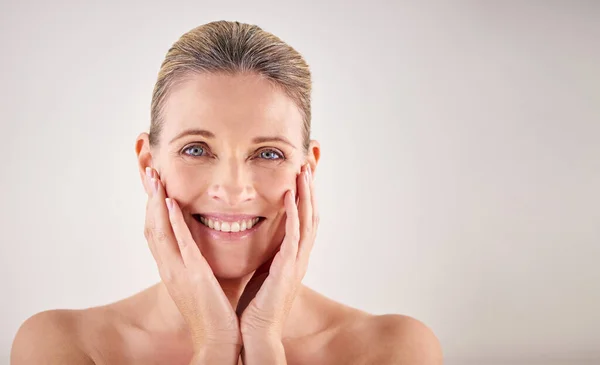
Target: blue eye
pixel 195 151
pixel 270 155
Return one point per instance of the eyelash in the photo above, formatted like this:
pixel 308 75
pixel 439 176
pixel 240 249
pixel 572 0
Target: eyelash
pixel 279 154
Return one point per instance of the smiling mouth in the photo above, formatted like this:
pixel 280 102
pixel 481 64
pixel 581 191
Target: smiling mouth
pixel 228 226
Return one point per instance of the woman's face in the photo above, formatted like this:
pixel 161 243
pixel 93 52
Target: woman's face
pixel 229 149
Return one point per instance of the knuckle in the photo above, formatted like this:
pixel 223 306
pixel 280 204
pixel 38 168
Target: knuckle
pixel 148 232
pixel 317 220
pixel 170 275
pixel 196 276
pixel 183 243
pixel 160 236
pixel 295 236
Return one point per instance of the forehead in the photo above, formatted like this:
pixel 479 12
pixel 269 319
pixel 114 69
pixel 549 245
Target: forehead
pixel 230 105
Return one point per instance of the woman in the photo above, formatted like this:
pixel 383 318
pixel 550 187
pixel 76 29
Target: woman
pixel 228 166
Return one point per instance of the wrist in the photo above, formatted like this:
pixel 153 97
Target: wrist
pixel 261 338
pixel 254 333
pixel 216 354
pixel 267 349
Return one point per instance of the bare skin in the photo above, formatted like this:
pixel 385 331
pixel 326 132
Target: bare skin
pixel 137 331
pixel 226 297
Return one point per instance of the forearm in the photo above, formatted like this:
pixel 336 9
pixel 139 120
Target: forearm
pixel 216 355
pixel 263 351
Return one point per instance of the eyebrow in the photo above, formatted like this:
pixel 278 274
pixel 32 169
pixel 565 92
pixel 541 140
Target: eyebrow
pixel 208 134
pixel 194 132
pixel 272 139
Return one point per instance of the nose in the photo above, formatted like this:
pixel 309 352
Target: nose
pixel 232 183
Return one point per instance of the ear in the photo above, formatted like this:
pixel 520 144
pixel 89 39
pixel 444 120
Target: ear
pixel 314 154
pixel 144 155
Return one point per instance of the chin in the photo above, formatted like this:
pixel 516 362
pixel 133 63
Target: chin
pixel 230 262
pixel 225 269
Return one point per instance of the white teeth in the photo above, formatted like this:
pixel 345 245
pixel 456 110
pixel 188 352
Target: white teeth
pixel 225 227
pixel 239 226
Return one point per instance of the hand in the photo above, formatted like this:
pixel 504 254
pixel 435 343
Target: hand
pixel 270 293
pixel 188 277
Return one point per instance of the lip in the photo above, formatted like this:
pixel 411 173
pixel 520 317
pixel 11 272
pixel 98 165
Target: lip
pixel 227 236
pixel 227 217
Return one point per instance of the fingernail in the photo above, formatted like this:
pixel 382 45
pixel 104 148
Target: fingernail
pixel 149 172
pixel 169 204
pixel 154 183
pixel 309 170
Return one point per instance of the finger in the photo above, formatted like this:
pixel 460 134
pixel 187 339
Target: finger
pixel 149 221
pixel 306 210
pixel 304 206
pixel 314 204
pixel 160 230
pixel 149 175
pixel 190 253
pixel 292 228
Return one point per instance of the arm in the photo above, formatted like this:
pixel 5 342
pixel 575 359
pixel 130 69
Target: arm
pixel 47 339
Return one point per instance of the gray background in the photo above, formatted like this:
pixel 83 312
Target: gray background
pixel 460 175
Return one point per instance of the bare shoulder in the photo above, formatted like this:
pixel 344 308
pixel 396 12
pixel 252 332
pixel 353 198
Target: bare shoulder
pixel 50 337
pixel 393 339
pixel 403 339
pixel 357 337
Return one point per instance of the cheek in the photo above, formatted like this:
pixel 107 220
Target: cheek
pixel 184 183
pixel 272 184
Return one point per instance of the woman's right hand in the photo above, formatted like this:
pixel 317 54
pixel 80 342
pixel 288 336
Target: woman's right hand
pixel 189 279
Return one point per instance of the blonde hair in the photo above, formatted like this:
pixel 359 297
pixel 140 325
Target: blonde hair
pixel 232 48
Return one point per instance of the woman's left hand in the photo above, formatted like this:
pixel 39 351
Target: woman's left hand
pixel 269 295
